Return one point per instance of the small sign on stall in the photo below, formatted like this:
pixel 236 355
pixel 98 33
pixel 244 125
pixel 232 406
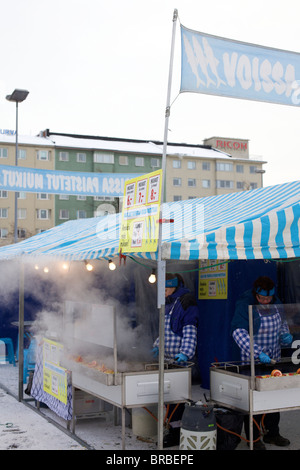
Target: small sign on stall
pixel 140 214
pixel 54 376
pixel 213 279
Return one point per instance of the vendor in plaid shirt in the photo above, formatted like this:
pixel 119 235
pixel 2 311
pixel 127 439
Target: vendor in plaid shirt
pixel 181 318
pixel 270 332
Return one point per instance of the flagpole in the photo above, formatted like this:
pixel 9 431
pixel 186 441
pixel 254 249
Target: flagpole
pixel 161 264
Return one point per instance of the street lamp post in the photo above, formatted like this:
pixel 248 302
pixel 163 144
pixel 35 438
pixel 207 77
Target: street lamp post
pixel 261 172
pixel 17 97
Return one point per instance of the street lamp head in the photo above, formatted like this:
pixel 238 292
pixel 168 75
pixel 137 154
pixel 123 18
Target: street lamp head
pixel 18 95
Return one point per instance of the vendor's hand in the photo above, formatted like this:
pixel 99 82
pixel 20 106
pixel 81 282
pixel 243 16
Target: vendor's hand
pixel 181 357
pixel 264 358
pixel 155 352
pixel 286 338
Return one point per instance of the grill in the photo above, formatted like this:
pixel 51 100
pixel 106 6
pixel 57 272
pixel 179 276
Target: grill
pixel 125 384
pixel 231 386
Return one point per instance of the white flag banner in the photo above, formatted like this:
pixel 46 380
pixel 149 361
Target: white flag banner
pixel 218 66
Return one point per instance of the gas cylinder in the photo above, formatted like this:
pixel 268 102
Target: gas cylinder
pixel 198 428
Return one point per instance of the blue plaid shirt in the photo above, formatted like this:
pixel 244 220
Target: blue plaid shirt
pixel 174 343
pixel 267 339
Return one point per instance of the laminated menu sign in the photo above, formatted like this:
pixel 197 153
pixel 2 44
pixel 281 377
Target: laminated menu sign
pixel 140 214
pixel 213 279
pixel 54 376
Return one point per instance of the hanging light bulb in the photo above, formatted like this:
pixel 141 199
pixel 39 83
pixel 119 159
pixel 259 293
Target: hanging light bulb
pixel 152 277
pixel 89 266
pixel 65 266
pixel 36 267
pixel 46 269
pixel 111 265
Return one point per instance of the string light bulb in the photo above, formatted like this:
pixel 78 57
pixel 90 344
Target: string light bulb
pixel 152 277
pixel 111 265
pixel 89 266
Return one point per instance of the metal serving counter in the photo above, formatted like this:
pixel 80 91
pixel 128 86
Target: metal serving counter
pixel 90 336
pixel 231 386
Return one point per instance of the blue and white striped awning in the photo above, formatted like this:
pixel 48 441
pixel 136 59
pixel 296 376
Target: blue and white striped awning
pixel 258 224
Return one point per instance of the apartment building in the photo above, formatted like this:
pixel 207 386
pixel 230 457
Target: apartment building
pixel 35 211
pixel 219 166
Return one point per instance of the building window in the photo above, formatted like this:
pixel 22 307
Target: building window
pixel 3 194
pixel 139 161
pixel 81 214
pixel 253 168
pixel 177 164
pixel 21 233
pixel 123 160
pixel 21 154
pixel 154 162
pixel 191 182
pixel 64 197
pixel 176 181
pixel 220 166
pixel 43 214
pixel 224 184
pixel 81 157
pixel 22 213
pixel 240 168
pixel 177 198
pixel 3 232
pixel 3 152
pixel 43 196
pixel 3 213
pixel 104 198
pixel 81 198
pixel 205 183
pixel 21 195
pixel 43 155
pixel 64 214
pixel 105 157
pixel 239 185
pixel 206 166
pixel 191 165
pixel 63 156
pixel 253 185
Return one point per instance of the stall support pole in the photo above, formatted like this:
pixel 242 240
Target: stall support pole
pixel 21 331
pixel 161 264
pixel 252 381
pixel 161 276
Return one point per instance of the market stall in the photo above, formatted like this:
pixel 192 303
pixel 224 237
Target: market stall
pixel 252 226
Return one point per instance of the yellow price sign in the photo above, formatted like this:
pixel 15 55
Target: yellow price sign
pixel 140 214
pixel 55 381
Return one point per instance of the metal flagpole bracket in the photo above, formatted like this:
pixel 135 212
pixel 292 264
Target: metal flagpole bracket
pixel 165 221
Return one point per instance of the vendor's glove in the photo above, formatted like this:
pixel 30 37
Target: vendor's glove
pixel 286 338
pixel 155 352
pixel 264 358
pixel 181 357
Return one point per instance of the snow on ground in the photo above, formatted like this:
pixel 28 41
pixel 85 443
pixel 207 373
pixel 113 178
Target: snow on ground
pixel 22 427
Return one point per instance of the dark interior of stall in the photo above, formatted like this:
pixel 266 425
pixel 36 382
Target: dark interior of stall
pixel 137 297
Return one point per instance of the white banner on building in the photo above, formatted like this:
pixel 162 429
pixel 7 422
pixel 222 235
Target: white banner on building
pixel 218 66
pixel 62 182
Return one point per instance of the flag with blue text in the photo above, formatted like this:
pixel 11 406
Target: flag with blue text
pixel 218 66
